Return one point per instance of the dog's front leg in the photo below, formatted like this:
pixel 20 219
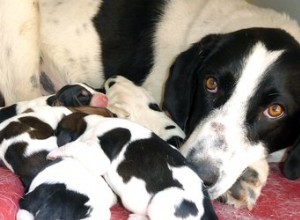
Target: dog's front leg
pixel 246 190
pixel 292 163
pixel 19 50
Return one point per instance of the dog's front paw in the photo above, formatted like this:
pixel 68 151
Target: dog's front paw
pixel 246 190
pixel 56 154
pixel 118 110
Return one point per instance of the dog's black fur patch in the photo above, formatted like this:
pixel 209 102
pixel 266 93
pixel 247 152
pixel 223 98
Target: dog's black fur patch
pixel 185 209
pixel 113 141
pixel 73 95
pixel 159 155
pixel 64 203
pixel 154 107
pixel 2 100
pixel 26 167
pixel 8 112
pixel 292 164
pixel 70 128
pixel 127 39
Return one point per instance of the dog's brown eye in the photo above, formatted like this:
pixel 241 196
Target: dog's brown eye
pixel 274 111
pixel 211 85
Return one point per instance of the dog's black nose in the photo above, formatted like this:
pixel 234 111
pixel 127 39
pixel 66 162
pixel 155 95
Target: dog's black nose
pixel 207 172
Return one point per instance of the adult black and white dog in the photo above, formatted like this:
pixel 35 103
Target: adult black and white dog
pixel 232 86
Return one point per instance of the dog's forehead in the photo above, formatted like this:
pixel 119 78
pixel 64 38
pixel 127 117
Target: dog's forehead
pixel 254 69
pixel 281 79
pixel 230 47
pixel 268 65
pixel 272 38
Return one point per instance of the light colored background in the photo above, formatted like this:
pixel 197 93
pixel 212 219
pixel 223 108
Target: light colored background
pixel 291 7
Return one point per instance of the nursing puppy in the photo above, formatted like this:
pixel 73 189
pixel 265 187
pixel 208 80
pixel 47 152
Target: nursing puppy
pixel 151 177
pixel 211 46
pixel 70 95
pixel 134 103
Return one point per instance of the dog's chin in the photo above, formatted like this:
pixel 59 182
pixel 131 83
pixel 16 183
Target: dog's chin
pixel 218 168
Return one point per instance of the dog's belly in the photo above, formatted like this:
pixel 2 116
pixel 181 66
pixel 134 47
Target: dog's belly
pixel 83 42
pixel 70 45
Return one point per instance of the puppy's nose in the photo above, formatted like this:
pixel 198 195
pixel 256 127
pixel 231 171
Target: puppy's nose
pixel 208 173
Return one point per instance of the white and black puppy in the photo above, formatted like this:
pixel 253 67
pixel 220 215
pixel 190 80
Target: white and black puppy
pixel 26 139
pixel 78 94
pixel 152 178
pixel 65 189
pixel 134 103
pixel 61 189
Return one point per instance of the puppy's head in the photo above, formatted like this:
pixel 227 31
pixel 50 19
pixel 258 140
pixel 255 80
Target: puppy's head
pixel 70 128
pixel 236 96
pixel 78 95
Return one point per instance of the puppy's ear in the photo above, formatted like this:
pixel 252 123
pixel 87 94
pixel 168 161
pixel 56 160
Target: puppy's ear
pixel 292 163
pixel 181 85
pixel 70 128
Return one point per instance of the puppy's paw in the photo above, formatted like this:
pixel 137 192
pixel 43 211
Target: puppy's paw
pixel 118 110
pixel 246 190
pixel 55 154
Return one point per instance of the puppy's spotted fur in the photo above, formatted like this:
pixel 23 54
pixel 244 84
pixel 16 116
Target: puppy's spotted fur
pixel 134 103
pixel 27 138
pixel 151 177
pixel 67 190
pixel 70 95
pixel 62 185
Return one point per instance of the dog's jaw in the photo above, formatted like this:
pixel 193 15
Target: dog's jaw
pixel 216 157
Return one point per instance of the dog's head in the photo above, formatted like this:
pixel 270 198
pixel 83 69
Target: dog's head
pixel 78 95
pixel 237 96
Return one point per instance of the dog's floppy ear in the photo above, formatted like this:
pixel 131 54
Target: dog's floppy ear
pixel 292 163
pixel 70 128
pixel 182 82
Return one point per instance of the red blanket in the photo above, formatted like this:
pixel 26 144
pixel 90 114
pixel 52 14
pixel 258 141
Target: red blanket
pixel 280 199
